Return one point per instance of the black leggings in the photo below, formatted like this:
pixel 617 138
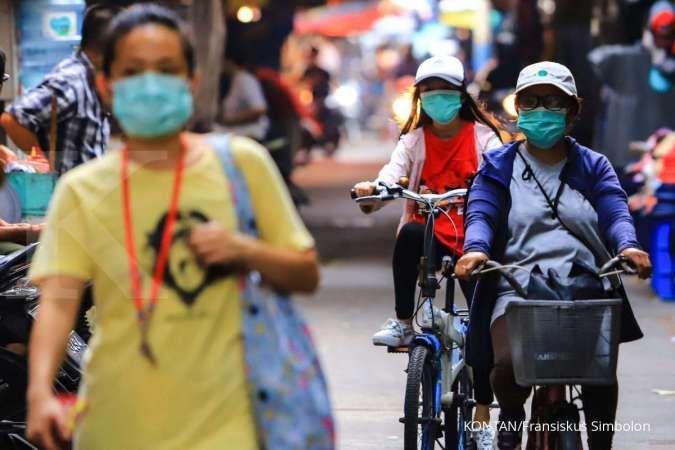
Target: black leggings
pixel 408 250
pixel 599 401
pixel 407 253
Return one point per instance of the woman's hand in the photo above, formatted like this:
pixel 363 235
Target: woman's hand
pixel 20 233
pixel 213 244
pixel 425 190
pixel 47 421
pixel 640 260
pixel 283 268
pixel 364 188
pixel 468 263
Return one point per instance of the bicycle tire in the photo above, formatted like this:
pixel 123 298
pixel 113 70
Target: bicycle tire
pixel 570 439
pixel 421 377
pixel 459 414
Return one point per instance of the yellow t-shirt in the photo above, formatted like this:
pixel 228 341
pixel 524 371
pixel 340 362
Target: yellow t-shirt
pixel 196 398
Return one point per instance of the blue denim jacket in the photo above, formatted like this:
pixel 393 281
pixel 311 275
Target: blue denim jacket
pixel 486 227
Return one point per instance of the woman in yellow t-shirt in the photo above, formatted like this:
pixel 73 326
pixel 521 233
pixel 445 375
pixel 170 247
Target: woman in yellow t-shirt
pixel 154 228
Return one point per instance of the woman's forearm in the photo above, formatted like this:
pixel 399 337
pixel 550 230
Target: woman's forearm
pixel 59 305
pixel 284 269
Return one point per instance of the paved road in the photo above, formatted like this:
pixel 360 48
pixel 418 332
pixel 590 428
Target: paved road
pixel 367 383
pixel 356 297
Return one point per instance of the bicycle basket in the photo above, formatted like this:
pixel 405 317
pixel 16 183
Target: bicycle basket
pixel 564 342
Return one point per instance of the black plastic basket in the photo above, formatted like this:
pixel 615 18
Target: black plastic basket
pixel 564 342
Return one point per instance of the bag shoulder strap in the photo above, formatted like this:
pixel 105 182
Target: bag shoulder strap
pixel 238 186
pixel 53 133
pixel 553 203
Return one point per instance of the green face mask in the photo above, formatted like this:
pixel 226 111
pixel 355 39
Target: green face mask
pixel 542 127
pixel 441 105
pixel 151 104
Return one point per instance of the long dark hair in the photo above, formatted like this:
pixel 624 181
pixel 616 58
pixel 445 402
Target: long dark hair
pixel 145 14
pixel 470 111
pixel 96 18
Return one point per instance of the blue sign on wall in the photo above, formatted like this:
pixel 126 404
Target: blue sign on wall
pixel 48 32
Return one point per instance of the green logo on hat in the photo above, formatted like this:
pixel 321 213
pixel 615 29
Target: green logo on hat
pixel 542 73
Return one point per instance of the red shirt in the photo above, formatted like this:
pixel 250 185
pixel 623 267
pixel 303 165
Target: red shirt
pixel 449 164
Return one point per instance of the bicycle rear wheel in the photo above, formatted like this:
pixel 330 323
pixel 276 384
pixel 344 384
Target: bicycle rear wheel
pixel 421 425
pixel 457 434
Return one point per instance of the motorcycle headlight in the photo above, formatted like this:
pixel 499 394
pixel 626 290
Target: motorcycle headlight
pixel 509 105
pixel 401 107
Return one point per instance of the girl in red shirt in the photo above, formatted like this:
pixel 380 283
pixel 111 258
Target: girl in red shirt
pixel 440 148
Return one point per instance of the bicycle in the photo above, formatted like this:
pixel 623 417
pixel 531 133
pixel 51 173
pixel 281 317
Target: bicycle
pixel 439 383
pixel 556 366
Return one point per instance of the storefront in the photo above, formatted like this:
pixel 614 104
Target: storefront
pixel 36 35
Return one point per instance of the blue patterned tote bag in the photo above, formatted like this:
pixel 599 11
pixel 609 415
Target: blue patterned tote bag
pixel 288 389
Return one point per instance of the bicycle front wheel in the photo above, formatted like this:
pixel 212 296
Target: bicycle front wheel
pixel 421 422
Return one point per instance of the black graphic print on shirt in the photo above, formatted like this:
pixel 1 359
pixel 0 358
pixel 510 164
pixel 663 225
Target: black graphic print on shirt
pixel 183 273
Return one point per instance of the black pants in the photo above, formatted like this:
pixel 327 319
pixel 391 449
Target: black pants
pixel 599 401
pixel 408 250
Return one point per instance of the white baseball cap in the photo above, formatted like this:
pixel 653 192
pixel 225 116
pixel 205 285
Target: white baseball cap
pixel 547 72
pixel 447 68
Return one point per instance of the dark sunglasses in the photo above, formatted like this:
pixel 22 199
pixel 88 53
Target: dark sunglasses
pixel 552 102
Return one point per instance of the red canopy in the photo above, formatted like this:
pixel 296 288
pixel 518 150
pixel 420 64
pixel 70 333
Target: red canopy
pixel 338 21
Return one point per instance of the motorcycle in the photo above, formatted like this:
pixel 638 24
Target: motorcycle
pixel 19 304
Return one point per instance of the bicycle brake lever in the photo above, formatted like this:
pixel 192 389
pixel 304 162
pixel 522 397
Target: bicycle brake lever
pixel 475 272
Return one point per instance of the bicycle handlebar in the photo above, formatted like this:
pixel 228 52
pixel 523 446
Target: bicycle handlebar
pixel 491 266
pixel 617 265
pixel 386 192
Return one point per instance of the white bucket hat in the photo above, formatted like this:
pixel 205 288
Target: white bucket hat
pixel 447 68
pixel 547 72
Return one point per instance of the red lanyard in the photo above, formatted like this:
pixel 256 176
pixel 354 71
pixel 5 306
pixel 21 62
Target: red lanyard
pixel 144 313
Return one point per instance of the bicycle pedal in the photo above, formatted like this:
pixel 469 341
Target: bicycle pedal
pixel 403 349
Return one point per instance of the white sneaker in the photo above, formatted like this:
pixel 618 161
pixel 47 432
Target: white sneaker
pixel 393 334
pixel 484 438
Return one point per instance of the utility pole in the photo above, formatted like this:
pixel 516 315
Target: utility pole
pixel 208 22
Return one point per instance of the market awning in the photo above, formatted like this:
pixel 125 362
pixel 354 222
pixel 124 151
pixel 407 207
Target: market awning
pixel 346 19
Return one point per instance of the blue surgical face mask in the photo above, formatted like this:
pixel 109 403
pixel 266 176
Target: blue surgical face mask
pixel 151 105
pixel 441 105
pixel 542 127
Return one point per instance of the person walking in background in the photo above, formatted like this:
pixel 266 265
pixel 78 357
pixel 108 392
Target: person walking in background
pixel 408 64
pixel 69 94
pixel 244 106
pixel 440 148
pixel 173 371
pixel 286 113
pixel 316 77
pixel 638 95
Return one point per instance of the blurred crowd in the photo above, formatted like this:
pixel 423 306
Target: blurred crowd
pixel 297 91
